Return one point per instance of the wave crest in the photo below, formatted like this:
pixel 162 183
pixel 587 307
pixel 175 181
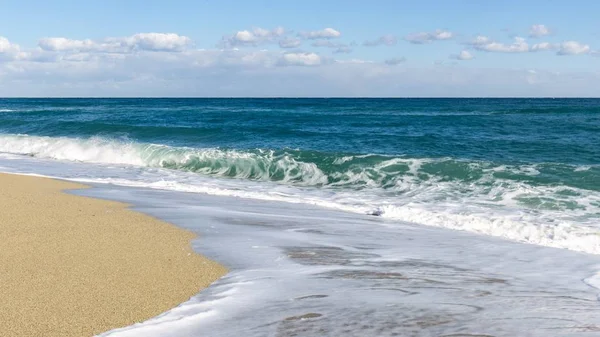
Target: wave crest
pixel 254 165
pixel 307 168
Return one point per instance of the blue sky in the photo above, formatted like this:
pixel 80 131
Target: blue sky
pixel 308 48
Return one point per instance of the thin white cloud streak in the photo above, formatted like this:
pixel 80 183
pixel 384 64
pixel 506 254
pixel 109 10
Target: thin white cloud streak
pixel 327 44
pixel 395 61
pixel 386 40
pixel 543 46
pixel 519 45
pixel 327 33
pixel 253 37
pixel 425 37
pixel 300 59
pixel 340 48
pixel 354 61
pixel 290 42
pixel 484 43
pixel 343 50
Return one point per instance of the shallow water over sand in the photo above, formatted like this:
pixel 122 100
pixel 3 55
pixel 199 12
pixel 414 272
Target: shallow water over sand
pixel 305 271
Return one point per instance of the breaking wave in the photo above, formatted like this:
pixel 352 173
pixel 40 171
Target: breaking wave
pixel 549 204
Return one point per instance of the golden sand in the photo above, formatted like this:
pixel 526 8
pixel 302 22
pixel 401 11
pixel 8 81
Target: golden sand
pixel 77 266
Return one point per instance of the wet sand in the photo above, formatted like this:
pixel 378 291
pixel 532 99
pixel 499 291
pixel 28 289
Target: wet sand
pixel 77 266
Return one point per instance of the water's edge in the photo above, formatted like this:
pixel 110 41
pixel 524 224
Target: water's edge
pixel 244 271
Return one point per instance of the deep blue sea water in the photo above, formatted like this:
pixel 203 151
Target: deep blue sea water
pixel 312 193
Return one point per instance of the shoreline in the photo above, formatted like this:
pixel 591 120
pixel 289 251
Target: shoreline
pixel 78 266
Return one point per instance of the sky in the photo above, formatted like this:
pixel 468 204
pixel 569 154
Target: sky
pixel 326 48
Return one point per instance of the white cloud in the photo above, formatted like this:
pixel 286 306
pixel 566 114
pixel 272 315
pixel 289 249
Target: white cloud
pixel 80 57
pixel 539 30
pixel 544 46
pixel 484 43
pixel 62 66
pixel 39 55
pixel 232 73
pixel 424 37
pixel 64 44
pixel 395 61
pixel 290 42
pixel 463 56
pixel 278 31
pixel 261 32
pixel 327 33
pixel 253 37
pixel 339 47
pixel 10 51
pixel 521 46
pixel 144 41
pixel 300 59
pixel 573 48
pixel 159 41
pixel 326 44
pixel 353 61
pixel 481 40
pixel 387 40
pixel 6 46
pixel 244 36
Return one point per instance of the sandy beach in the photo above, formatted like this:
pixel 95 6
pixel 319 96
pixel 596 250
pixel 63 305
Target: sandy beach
pixel 76 266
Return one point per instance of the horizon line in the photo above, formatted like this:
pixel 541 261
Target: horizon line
pixel 298 97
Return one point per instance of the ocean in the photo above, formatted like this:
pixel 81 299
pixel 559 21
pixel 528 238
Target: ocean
pixel 355 217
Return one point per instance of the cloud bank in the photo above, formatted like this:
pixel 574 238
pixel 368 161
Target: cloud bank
pixel 282 62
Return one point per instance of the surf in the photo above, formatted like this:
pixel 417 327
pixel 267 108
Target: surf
pixel 531 203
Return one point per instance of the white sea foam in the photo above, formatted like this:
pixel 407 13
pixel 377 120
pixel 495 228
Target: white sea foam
pixel 552 229
pixel 315 272
pixel 394 188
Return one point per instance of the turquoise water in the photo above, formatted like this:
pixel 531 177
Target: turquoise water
pixel 524 169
